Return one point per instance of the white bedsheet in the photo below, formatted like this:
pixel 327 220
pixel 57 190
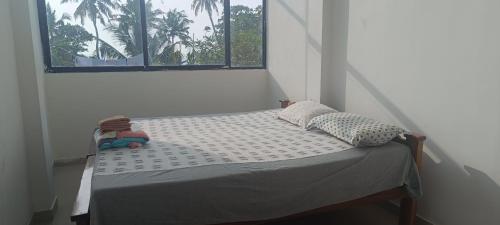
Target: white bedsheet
pixel 182 142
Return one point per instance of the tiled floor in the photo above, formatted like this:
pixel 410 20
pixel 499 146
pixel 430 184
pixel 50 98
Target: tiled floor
pixel 67 182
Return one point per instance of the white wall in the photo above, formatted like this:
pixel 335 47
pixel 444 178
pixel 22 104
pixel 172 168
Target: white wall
pixel 294 49
pixel 333 79
pixel 76 101
pixel 14 194
pixel 433 67
pixel 31 83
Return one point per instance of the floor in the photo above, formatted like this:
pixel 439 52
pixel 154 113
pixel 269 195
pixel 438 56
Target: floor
pixel 67 182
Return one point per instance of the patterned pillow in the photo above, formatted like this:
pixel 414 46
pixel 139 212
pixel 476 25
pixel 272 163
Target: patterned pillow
pixel 302 112
pixel 355 129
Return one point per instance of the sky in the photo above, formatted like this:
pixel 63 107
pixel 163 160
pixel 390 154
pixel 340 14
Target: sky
pixel 197 27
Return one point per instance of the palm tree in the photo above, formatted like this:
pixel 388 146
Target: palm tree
pixel 209 6
pixel 66 40
pixel 176 25
pixel 128 28
pixel 95 10
pixel 53 22
pixel 172 30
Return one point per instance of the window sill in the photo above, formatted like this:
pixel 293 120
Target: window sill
pixel 112 69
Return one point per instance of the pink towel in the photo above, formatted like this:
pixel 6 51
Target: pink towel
pixel 134 145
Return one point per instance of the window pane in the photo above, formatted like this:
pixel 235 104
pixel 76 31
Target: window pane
pixel 94 33
pixel 246 33
pixel 185 32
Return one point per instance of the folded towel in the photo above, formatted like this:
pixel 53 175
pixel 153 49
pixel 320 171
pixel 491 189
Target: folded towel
pixel 121 143
pixel 132 134
pixel 114 123
pixel 133 138
pixel 134 145
pixel 102 137
pixel 111 129
pixel 114 120
pixel 105 144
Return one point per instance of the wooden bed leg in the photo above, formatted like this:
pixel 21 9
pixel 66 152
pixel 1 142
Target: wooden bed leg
pixel 408 206
pixel 408 211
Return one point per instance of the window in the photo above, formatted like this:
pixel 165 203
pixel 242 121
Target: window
pixel 144 35
pixel 246 33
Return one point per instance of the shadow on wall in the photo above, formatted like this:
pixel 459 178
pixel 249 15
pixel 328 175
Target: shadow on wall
pixel 291 68
pixel 458 193
pixel 310 39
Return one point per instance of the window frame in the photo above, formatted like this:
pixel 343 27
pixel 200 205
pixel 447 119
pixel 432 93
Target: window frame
pixel 44 32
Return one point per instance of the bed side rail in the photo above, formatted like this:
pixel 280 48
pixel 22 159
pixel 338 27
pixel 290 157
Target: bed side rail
pixel 80 213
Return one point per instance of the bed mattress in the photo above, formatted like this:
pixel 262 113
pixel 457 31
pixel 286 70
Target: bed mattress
pixel 185 142
pixel 238 167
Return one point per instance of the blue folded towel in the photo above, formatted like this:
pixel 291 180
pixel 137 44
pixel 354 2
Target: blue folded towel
pixel 119 143
pixel 109 140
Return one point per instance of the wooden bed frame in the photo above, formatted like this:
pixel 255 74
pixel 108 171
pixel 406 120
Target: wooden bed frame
pixel 408 205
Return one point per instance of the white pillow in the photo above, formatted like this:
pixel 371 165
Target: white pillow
pixel 302 112
pixel 355 129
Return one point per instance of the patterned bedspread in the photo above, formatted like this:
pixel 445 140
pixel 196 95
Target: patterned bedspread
pixel 182 142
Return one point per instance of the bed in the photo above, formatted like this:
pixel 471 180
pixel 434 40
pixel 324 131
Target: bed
pixel 242 168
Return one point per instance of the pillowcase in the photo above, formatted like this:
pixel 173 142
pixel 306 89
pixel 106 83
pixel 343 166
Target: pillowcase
pixel 302 112
pixel 355 129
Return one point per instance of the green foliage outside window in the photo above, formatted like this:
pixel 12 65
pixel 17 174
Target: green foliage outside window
pixel 169 39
